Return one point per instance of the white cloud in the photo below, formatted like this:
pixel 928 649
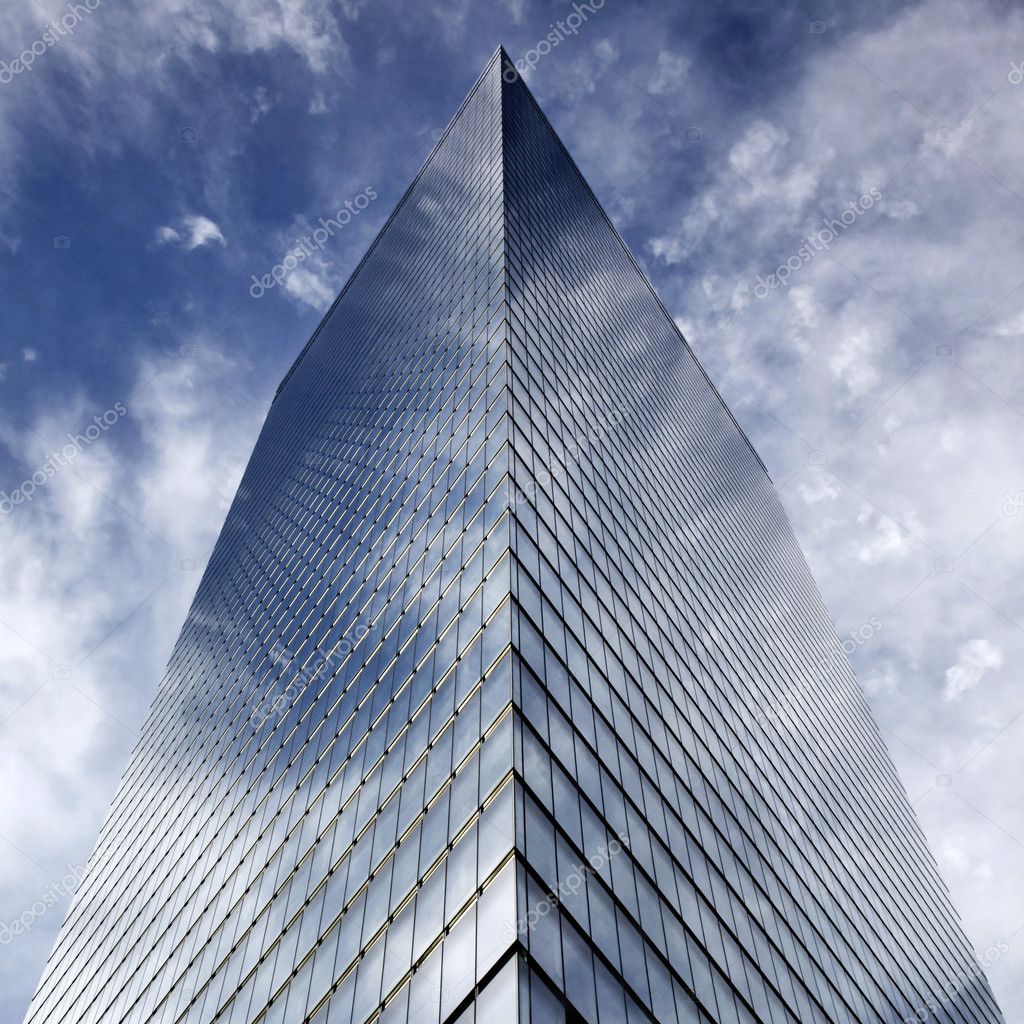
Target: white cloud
pixel 194 232
pixel 260 104
pixel 802 299
pixel 888 540
pixel 952 856
pixel 899 209
pixel 577 75
pixel 452 18
pixel 201 231
pixel 835 365
pixel 669 73
pixel 974 660
pixel 851 363
pixel 312 286
pixel 757 146
pixel 164 35
pixel 515 10
pixel 669 249
pixel 951 439
pixel 1011 328
pixel 82 648
pixel 772 171
pixel 880 681
pixel 818 488
pixel 855 367
pixel 317 277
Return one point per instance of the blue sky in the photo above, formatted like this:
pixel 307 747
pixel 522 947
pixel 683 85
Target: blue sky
pixel 154 157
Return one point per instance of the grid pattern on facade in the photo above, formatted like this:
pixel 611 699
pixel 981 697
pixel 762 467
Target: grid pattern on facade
pixel 507 695
pixel 682 686
pixel 322 789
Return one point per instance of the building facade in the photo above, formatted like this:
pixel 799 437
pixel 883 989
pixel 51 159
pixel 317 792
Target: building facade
pixel 507 695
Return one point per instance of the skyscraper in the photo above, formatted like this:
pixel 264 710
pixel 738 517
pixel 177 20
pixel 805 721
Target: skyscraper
pixel 507 695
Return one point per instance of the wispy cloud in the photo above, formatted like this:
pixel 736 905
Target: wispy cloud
pixel 884 394
pixel 83 648
pixel 976 658
pixel 193 232
pixel 882 387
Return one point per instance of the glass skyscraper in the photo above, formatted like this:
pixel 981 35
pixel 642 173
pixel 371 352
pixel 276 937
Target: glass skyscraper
pixel 507 695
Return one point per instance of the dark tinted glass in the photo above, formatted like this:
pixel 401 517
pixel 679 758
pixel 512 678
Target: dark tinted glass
pixel 506 695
